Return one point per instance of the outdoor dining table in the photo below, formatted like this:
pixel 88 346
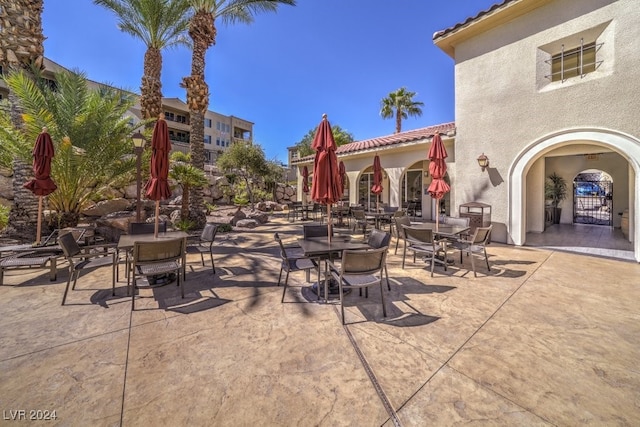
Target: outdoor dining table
pixel 378 217
pixel 127 242
pixel 323 249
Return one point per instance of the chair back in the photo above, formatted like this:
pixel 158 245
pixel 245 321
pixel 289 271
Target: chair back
pixel 69 245
pixel 449 220
pixel 421 235
pixel 390 209
pixel 401 222
pixel 146 227
pixel 283 251
pixel 315 230
pixel 358 214
pixel 482 235
pixel 158 250
pixel 399 213
pixel 209 232
pixel 363 262
pixel 378 239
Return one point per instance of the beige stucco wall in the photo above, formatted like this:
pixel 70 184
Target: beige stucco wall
pixel 504 104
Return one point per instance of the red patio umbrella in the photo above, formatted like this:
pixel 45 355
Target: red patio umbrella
pixel 376 188
pixel 437 169
pixel 325 188
pixel 42 184
pixel 343 175
pixel 157 188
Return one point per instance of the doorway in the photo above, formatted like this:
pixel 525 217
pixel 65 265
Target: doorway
pixel 593 198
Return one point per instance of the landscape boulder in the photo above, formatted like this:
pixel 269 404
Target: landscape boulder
pixel 107 207
pixel 247 223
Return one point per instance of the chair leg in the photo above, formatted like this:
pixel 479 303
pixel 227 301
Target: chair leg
pixel 384 308
pixel 66 289
pixel 473 264
pixel 486 258
pixel 202 258
pixel 180 282
pixel 341 299
pixel 386 273
pixel 404 254
pixel 433 262
pixel 280 275
pixel 397 242
pixel 213 265
pixel 286 282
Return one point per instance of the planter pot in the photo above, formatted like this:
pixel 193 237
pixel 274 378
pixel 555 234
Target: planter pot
pixel 557 212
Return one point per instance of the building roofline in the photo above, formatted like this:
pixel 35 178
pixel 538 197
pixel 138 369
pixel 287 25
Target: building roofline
pixel 485 20
pixel 396 139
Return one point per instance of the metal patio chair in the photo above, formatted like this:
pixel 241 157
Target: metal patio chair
pixel 476 244
pixel 292 260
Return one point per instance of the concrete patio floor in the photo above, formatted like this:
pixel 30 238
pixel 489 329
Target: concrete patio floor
pixel 545 338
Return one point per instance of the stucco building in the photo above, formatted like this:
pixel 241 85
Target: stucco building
pixel 541 87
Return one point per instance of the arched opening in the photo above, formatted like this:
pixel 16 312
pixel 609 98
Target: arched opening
pixel 411 189
pixel 550 153
pixel 593 198
pixel 365 197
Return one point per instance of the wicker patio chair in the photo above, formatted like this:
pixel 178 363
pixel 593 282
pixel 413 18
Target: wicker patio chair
pixel 292 261
pixel 421 241
pixel 84 259
pixel 360 269
pixel 476 244
pixel 156 258
pixel 205 244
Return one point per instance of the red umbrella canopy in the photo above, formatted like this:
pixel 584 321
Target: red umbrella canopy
pixel 342 172
pixel 43 152
pixel 305 179
pixel 157 188
pixel 437 168
pixel 376 188
pixel 326 187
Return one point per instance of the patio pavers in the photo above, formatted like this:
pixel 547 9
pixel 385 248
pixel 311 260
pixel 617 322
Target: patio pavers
pixel 545 338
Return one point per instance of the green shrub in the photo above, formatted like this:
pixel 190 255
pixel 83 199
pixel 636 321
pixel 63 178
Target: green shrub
pixel 4 216
pixel 224 228
pixel 185 225
pixel 209 207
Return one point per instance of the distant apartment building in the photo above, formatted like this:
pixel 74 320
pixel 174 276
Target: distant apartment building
pixel 220 131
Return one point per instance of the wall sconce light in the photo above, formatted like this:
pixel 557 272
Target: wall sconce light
pixel 483 161
pixel 426 174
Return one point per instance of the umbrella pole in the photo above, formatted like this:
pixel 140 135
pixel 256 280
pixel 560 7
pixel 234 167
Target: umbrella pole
pixel 155 232
pixel 329 224
pixel 437 213
pixel 39 221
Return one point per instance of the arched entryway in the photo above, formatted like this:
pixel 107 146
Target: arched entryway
pixel 527 175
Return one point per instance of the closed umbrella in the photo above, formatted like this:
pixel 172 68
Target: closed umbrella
pixel 343 175
pixel 305 182
pixel 157 188
pixel 376 188
pixel 42 184
pixel 437 169
pixel 325 188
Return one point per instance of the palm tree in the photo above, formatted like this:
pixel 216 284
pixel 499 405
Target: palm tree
pixel 202 31
pixel 187 176
pixel 401 105
pixel 90 130
pixel 160 24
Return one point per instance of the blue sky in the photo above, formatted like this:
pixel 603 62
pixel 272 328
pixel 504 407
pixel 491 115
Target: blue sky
pixel 339 57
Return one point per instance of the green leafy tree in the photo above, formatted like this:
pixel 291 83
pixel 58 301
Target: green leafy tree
pixel 340 135
pixel 90 130
pixel 187 176
pixel 202 30
pixel 248 163
pixel 160 24
pixel 400 104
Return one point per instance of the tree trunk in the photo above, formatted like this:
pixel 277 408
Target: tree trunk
pixel 151 88
pixel 398 121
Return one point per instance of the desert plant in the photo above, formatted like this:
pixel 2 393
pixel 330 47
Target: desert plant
pixel 225 228
pixel 210 207
pixel 90 130
pixel 187 177
pixel 185 224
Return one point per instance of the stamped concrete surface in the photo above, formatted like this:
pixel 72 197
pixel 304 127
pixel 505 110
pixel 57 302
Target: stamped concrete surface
pixel 544 338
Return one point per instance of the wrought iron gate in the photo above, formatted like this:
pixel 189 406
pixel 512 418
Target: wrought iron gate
pixel 592 202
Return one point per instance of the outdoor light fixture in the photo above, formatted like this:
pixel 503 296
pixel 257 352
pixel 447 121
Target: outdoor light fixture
pixel 138 143
pixel 483 161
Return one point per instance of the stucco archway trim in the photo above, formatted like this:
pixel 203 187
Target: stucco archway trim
pixel 625 145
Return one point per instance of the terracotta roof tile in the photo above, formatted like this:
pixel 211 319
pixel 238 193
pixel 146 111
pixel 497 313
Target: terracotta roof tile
pixel 389 140
pixel 469 20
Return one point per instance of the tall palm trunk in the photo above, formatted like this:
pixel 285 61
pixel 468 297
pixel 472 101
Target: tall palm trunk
pixel 398 121
pixel 151 89
pixel 23 47
pixel 203 33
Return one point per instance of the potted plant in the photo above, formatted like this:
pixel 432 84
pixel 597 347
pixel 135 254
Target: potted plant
pixel 555 190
